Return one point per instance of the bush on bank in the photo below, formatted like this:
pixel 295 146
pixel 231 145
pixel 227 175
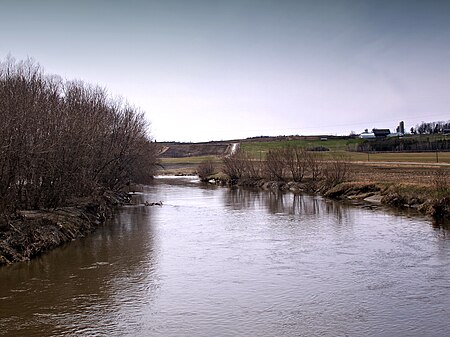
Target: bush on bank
pixel 61 140
pixel 296 169
pixel 287 164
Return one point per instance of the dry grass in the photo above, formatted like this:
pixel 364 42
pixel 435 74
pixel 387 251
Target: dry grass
pixel 189 160
pixel 420 157
pixel 382 167
pixel 397 173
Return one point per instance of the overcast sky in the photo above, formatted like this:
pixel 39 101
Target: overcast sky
pixel 218 70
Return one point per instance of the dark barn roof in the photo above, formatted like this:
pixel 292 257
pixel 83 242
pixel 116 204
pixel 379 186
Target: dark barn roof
pixel 381 132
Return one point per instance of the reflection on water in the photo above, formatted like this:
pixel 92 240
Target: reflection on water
pixel 98 276
pixel 278 202
pixel 236 262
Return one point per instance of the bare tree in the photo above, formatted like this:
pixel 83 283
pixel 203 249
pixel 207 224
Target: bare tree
pixel 314 164
pixel 336 170
pixel 275 164
pixel 241 165
pixel 59 140
pixel 205 169
pixel 295 160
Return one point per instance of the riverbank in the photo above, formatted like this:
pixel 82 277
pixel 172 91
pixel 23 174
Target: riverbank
pixel 32 233
pixel 423 189
pixel 428 201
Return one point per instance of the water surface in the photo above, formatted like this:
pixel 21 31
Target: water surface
pixel 230 262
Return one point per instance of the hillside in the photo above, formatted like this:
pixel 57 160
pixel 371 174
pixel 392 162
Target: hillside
pixel 184 150
pixel 221 148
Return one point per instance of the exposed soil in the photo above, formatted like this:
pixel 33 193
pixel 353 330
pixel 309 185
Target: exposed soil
pixel 32 233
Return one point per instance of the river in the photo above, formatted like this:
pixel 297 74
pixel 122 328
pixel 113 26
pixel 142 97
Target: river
pixel 215 261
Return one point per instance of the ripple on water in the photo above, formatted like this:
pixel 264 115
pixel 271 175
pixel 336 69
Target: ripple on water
pixel 214 261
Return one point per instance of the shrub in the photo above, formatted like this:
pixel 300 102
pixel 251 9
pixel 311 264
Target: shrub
pixel 336 170
pixel 205 169
pixel 240 165
pixel 65 139
pixel 275 165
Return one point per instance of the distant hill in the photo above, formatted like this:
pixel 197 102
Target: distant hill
pixel 182 150
pixel 222 148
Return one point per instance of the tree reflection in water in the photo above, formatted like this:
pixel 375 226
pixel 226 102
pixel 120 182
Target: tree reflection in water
pixel 278 202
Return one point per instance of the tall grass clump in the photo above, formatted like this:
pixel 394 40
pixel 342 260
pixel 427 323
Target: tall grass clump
pixel 441 182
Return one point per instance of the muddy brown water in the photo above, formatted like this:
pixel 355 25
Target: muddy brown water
pixel 220 262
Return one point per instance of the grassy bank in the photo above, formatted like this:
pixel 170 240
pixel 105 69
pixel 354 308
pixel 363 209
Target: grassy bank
pixel 434 201
pixel 424 187
pixel 430 200
pixel 400 179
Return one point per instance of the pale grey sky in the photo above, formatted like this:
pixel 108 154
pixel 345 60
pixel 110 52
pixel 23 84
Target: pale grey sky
pixel 212 70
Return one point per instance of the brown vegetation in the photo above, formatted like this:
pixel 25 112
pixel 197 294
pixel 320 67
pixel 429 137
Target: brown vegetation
pixel 240 166
pixel 287 164
pixel 62 140
pixel 422 187
pixel 205 169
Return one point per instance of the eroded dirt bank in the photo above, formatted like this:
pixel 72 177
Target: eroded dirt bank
pixel 32 233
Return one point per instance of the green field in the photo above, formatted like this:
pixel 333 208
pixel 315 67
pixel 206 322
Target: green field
pixel 334 145
pixel 258 149
pixel 189 160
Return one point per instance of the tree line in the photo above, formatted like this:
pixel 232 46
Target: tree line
pixel 413 144
pixel 61 140
pixel 284 164
pixel 429 128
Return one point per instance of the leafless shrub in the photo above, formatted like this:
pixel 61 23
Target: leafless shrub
pixel 287 163
pixel 240 165
pixel 296 162
pixel 59 140
pixel 336 170
pixel 205 169
pixel 314 164
pixel 233 166
pixel 252 168
pixel 275 165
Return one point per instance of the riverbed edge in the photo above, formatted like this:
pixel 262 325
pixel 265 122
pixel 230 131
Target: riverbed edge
pixel 425 200
pixel 32 233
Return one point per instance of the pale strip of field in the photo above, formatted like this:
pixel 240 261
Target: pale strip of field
pixel 397 157
pixel 409 168
pixel 189 160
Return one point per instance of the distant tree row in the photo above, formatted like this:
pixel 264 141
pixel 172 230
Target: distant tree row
pixel 431 128
pixel 63 139
pixel 287 163
pixel 410 144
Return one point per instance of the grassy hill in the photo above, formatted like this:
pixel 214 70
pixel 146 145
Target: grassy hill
pixel 190 154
